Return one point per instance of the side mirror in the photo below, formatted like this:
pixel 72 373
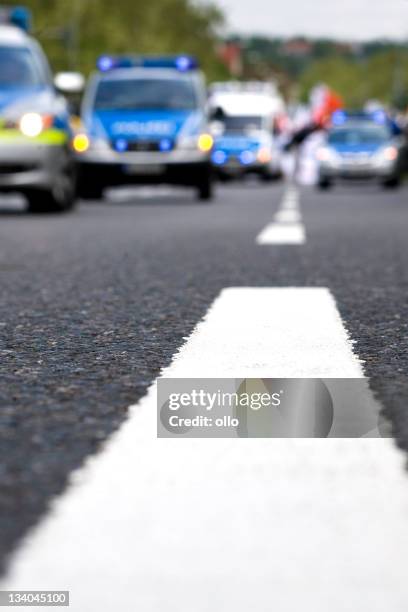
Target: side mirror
pixel 69 82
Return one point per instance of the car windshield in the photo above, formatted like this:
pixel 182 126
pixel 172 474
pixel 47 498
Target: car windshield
pixel 145 94
pixel 242 124
pixel 19 68
pixel 359 135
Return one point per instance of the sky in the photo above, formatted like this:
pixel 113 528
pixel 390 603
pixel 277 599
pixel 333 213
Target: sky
pixel 344 19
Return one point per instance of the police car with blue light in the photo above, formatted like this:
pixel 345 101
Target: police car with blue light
pixel 145 122
pixel 35 135
pixel 243 130
pixel 361 146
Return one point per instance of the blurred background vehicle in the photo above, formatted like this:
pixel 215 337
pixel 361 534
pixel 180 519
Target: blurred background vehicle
pixel 145 122
pixel 35 132
pixel 244 121
pixel 302 80
pixel 361 146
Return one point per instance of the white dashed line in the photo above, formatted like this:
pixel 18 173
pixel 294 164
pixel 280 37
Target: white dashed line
pixel 239 525
pixel 288 216
pixel 287 227
pixel 282 233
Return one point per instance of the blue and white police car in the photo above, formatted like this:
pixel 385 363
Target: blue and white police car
pixel 243 130
pixel 145 122
pixel 361 146
pixel 35 135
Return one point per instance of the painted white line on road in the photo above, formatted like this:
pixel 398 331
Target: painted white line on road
pixel 264 333
pixel 287 227
pixel 282 233
pixel 291 198
pixel 290 204
pixel 158 525
pixel 288 216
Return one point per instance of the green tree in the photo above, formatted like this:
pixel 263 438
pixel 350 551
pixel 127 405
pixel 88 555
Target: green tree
pixel 342 75
pixel 382 76
pixel 75 32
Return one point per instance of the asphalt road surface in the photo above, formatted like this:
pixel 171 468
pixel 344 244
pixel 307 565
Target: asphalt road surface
pixel 95 303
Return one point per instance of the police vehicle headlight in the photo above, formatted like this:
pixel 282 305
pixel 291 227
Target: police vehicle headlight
pixel 32 124
pixel 204 143
pixel 264 155
pixel 80 143
pixel 386 156
pixel 327 156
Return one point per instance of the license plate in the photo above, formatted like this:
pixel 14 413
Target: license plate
pixel 233 164
pixel 143 169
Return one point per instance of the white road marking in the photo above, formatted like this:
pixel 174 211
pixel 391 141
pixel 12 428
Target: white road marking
pixel 290 204
pixel 291 198
pixel 204 525
pixel 287 227
pixel 269 333
pixel 279 233
pixel 288 216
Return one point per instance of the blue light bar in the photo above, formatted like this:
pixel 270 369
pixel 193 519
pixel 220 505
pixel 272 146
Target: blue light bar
pixel 379 116
pixel 339 117
pixel 18 16
pixel 182 63
pixel 107 62
pixel 185 63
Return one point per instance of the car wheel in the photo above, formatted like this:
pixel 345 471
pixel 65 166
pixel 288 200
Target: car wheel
pixel 205 187
pixel 60 197
pixel 267 177
pixel 324 184
pixel 43 201
pixel 392 183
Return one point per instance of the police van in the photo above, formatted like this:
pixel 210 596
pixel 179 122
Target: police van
pixel 35 135
pixel 145 122
pixel 243 122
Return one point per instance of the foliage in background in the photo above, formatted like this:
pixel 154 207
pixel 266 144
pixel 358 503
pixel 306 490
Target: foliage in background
pixel 373 70
pixel 382 77
pixel 75 32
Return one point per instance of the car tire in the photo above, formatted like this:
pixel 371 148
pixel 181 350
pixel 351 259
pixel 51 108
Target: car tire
pixel 324 185
pixel 267 177
pixel 205 187
pixel 90 185
pixel 44 201
pixel 392 183
pixel 60 195
pixel 54 200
